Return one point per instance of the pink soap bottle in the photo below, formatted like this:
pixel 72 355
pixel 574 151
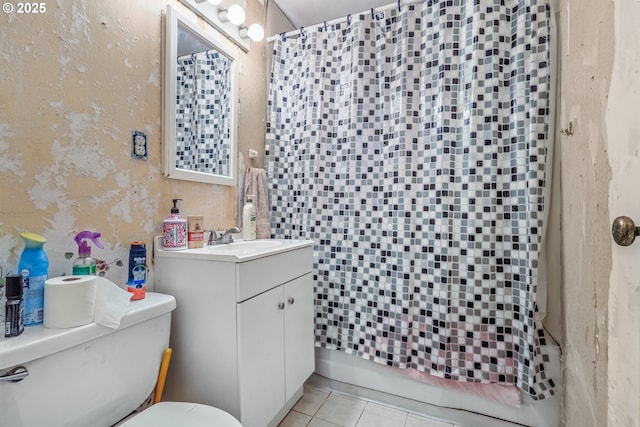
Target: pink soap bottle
pixel 174 230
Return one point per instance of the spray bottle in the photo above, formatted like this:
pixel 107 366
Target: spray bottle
pixel 85 264
pixel 14 309
pixel 34 269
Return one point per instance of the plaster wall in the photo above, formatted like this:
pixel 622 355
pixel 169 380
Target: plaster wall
pixel 76 79
pixel 585 58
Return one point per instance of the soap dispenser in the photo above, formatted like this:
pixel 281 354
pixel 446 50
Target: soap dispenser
pixel 85 264
pixel 174 230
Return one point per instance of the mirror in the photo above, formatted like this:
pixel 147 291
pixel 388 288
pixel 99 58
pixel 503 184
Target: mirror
pixel 200 104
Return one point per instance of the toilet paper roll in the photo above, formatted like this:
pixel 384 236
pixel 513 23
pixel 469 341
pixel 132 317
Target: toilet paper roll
pixel 69 301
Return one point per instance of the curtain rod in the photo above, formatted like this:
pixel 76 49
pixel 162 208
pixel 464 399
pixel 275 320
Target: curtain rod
pixel 297 32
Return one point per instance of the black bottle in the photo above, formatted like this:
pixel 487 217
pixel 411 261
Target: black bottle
pixel 14 310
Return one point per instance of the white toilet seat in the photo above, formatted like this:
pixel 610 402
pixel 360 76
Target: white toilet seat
pixel 183 414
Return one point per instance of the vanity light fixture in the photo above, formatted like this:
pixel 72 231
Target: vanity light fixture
pixel 228 17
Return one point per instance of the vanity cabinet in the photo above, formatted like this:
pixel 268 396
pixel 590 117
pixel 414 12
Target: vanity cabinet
pixel 275 348
pixel 242 332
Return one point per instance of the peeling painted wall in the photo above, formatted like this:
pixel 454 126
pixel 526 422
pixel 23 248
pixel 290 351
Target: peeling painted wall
pixel 586 58
pixel 75 81
pixel 623 133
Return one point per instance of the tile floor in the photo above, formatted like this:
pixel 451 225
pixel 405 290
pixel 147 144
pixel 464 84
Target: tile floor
pixel 325 408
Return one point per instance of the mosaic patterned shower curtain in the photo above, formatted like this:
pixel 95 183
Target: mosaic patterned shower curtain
pixel 412 146
pixel 203 113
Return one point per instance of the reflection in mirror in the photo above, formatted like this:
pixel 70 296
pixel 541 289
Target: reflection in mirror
pixel 202 113
pixel 200 105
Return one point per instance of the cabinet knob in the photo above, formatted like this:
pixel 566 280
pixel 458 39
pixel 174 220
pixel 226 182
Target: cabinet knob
pixel 291 300
pixel 281 306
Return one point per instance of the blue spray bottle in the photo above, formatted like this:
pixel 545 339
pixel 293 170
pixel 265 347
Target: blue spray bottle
pixel 34 269
pixel 85 264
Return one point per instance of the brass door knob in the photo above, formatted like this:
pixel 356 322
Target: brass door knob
pixel 624 230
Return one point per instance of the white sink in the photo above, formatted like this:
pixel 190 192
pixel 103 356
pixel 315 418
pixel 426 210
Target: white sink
pixel 238 251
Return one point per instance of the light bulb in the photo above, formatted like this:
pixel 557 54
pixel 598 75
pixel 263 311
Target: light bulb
pixel 235 14
pixel 255 32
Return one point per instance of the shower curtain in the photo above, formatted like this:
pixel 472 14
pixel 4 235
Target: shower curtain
pixel 412 146
pixel 203 113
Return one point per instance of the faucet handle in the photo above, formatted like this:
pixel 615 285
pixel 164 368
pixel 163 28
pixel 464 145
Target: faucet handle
pixel 212 236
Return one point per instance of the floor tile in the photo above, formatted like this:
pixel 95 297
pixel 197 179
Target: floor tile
pixel 417 421
pixel 342 410
pixel 342 405
pixel 311 400
pixel 317 422
pixel 295 419
pixel 375 415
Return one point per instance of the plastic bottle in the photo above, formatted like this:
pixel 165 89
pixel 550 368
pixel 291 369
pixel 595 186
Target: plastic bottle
pixel 137 270
pixel 14 308
pixel 34 267
pixel 174 230
pixel 249 220
pixel 85 264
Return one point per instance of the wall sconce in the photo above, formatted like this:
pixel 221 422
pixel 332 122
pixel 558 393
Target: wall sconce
pixel 227 16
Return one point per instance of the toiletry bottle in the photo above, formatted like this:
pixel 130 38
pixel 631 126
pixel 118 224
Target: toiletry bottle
pixel 249 220
pixel 137 282
pixel 34 267
pixel 174 230
pixel 85 264
pixel 195 231
pixel 14 309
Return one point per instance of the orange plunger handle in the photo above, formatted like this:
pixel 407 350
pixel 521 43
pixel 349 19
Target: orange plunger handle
pixel 164 367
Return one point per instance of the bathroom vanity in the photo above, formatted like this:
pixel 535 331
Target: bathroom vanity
pixel 242 333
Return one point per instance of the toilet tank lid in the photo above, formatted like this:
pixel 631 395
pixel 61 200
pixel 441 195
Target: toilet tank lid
pixel 37 341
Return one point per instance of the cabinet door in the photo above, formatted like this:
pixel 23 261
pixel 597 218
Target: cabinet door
pixel 261 356
pixel 299 333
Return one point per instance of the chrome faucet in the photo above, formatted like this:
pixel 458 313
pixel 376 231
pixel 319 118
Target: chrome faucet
pixel 225 238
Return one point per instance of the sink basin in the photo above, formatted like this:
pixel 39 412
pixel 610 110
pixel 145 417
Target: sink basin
pixel 247 245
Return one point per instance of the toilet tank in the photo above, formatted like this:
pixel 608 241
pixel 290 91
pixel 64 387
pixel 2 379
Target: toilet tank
pixel 89 376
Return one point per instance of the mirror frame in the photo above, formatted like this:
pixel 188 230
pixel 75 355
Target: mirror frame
pixel 175 23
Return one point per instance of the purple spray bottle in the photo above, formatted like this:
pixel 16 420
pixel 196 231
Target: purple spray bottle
pixel 85 264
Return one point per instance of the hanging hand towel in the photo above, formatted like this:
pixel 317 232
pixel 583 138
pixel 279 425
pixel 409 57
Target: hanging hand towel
pixel 255 183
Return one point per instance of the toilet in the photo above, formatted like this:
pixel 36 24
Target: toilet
pixel 95 376
pixel 183 414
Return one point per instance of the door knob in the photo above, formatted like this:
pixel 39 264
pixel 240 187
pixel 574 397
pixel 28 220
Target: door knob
pixel 624 230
